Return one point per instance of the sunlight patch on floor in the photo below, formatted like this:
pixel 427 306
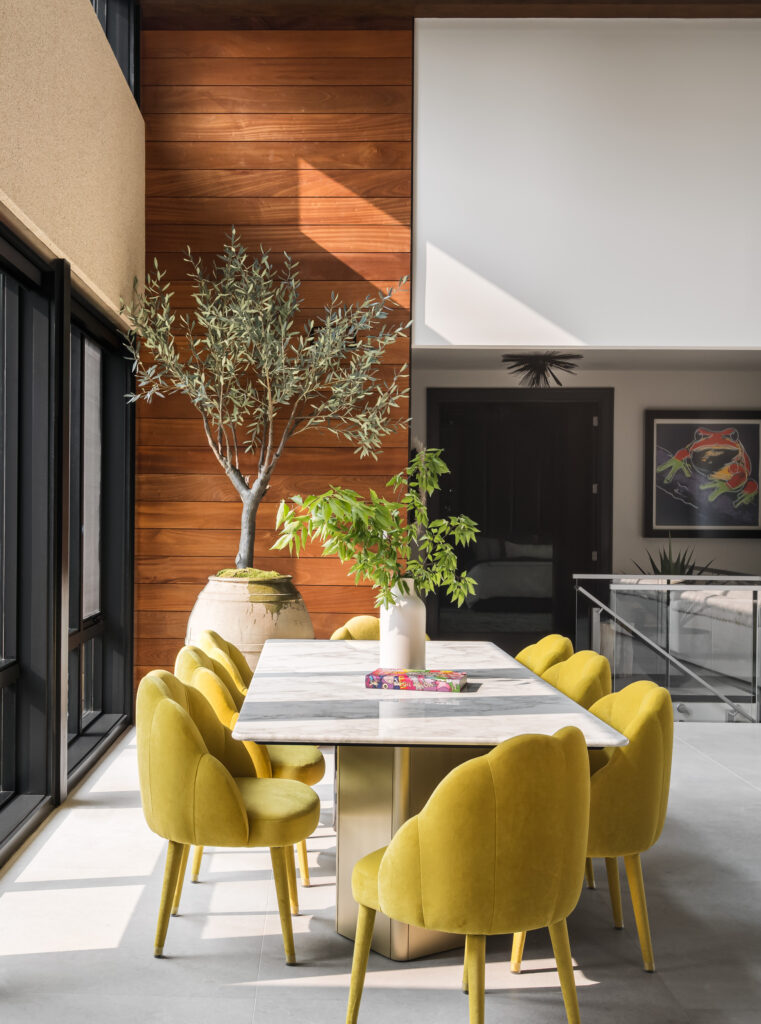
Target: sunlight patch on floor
pixel 66 920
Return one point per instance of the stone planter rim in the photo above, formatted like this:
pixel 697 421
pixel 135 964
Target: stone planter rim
pixel 239 579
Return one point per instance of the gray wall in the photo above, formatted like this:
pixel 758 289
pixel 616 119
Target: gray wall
pixel 588 181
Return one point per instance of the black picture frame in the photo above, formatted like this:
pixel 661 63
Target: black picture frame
pixel 713 489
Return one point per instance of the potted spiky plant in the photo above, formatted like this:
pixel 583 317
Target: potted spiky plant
pixel 257 379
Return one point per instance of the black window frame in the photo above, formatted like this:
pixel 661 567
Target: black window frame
pixel 37 673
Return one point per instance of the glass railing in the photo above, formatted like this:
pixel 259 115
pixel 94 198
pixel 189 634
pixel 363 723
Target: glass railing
pixel 696 635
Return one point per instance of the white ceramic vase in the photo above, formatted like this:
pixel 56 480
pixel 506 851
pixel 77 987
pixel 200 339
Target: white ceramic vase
pixel 402 631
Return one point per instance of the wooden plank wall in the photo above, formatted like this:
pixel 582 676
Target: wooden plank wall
pixel 302 139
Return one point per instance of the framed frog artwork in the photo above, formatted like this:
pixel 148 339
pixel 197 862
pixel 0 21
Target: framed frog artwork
pixel 702 473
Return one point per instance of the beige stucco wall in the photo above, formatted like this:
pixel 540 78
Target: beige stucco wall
pixel 72 145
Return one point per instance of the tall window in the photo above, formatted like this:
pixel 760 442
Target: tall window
pixel 98 524
pixel 65 600
pixel 8 541
pixel 27 551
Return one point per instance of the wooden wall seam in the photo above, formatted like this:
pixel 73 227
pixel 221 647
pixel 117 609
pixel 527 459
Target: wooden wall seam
pixel 303 140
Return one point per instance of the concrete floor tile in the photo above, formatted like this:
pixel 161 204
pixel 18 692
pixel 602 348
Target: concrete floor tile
pixel 78 910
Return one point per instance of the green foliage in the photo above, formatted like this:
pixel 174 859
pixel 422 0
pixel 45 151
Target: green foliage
pixel 387 539
pixel 253 377
pixel 679 563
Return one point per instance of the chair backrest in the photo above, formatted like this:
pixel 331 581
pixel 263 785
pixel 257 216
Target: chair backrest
pixel 188 659
pixel 188 794
pixel 228 662
pixel 192 660
pixel 629 794
pixel 194 668
pixel 584 677
pixel 548 651
pixel 360 627
pixel 500 845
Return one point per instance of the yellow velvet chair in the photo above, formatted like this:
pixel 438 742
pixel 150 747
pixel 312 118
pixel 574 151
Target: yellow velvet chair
pixel 629 796
pixel 300 762
pixel 584 677
pixel 548 651
pixel 197 788
pixel 499 847
pixel 228 662
pixel 360 627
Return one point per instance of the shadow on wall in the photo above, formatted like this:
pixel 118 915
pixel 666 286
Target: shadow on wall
pixel 464 308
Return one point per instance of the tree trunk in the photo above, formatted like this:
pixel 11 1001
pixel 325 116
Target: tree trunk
pixel 245 557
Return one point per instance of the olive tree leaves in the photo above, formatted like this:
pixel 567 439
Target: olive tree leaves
pixel 254 376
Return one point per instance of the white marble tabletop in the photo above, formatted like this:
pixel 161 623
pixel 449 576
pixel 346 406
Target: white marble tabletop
pixel 313 691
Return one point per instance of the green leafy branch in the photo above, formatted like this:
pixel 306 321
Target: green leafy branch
pixel 387 540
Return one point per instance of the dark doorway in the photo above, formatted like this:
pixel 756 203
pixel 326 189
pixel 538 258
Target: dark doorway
pixel 534 469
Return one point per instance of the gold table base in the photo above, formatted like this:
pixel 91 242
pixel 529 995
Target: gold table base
pixel 377 790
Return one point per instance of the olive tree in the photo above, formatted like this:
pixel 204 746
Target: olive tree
pixel 255 373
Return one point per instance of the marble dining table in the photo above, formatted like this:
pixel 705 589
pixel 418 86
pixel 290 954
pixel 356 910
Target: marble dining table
pixel 393 747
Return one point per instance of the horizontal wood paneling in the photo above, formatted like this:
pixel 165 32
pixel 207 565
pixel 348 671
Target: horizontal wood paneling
pixel 169 432
pixel 302 140
pixel 246 71
pixel 346 155
pixel 276 99
pixel 276 127
pixel 276 45
pixel 301 238
pixel 279 211
pixel 333 461
pixel 216 487
pixel 298 182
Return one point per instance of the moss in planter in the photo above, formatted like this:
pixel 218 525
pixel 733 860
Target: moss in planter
pixel 253 575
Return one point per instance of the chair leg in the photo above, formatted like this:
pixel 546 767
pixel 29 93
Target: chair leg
pixel 280 871
pixel 196 868
pixel 180 880
pixel 562 950
pixel 290 867
pixel 516 957
pixel 614 887
pixel 362 940
pixel 171 871
pixel 589 872
pixel 303 863
pixel 465 967
pixel 475 962
pixel 633 866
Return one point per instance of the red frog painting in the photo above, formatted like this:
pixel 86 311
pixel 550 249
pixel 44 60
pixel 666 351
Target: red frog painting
pixel 720 457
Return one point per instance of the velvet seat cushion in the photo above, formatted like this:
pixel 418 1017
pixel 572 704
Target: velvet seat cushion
pixel 364 879
pixel 280 812
pixel 302 762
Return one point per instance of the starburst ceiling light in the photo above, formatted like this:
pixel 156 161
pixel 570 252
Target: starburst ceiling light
pixel 539 370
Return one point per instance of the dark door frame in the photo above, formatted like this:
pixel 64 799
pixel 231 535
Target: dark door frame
pixel 602 397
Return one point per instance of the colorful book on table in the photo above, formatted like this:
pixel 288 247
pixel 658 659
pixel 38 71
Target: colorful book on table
pixel 435 681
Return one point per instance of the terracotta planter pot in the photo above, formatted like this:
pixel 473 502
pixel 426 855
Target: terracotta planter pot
pixel 249 612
